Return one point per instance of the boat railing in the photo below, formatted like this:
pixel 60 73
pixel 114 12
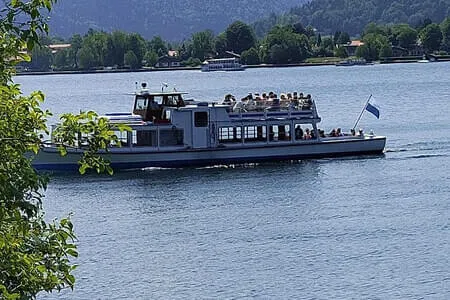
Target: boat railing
pixel 243 110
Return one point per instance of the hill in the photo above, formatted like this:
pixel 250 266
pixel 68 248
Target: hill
pixel 329 16
pixel 171 19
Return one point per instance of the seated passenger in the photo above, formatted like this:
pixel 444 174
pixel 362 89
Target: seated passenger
pixel 260 103
pixel 228 100
pixel 352 132
pixel 339 132
pixel 298 132
pixel 307 134
pixel 321 133
pixel 333 133
pixel 307 104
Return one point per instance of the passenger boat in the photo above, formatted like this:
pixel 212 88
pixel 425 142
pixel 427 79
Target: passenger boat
pixel 222 64
pixel 353 62
pixel 170 132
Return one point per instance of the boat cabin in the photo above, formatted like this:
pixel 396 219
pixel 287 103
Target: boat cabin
pixel 150 106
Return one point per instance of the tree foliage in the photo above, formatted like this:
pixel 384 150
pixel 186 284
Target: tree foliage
pixel 240 37
pixel 375 46
pixel 250 57
pixel 445 28
pixel 34 255
pixel 431 37
pixel 202 44
pixel 352 16
pixel 131 60
pixel 283 46
pixel 404 36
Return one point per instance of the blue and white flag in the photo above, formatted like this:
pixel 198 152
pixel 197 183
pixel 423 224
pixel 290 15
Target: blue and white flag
pixel 373 109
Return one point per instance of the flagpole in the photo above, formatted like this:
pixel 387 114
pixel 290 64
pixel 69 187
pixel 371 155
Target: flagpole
pixel 362 111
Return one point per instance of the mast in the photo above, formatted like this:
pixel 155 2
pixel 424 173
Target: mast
pixel 362 112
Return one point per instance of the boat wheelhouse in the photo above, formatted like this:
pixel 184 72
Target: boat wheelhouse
pixel 169 131
pixel 222 64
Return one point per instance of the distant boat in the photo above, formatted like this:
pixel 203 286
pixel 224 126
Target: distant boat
pixel 222 64
pixel 425 59
pixel 353 62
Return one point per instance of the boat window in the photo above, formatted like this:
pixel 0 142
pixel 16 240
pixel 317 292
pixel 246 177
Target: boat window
pixel 230 135
pixel 145 138
pixel 158 99
pixel 141 103
pixel 255 133
pixel 201 119
pixel 279 133
pixel 172 100
pixel 171 137
pixel 122 137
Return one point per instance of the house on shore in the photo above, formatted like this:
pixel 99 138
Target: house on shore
pixel 352 46
pixel 169 60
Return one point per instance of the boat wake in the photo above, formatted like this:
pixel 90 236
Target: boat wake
pixel 420 146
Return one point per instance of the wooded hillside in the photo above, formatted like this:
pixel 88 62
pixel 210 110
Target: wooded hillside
pixel 329 16
pixel 171 19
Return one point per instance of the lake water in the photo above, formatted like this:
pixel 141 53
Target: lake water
pixel 359 227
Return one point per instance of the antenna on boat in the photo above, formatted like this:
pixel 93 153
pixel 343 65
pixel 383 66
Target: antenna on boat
pixel 163 85
pixel 362 111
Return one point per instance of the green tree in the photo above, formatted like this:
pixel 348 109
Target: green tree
pixel 158 46
pixel 60 59
pixel 94 47
pixel 299 28
pixel 373 28
pixel 282 46
pixel 341 52
pixel 240 37
pixel 343 38
pixel 220 44
pixel 76 43
pixel 445 28
pixel 375 45
pixel 431 37
pixel 250 57
pixel 319 40
pixel 116 45
pixel 150 58
pixel 136 44
pixel 404 36
pixel 34 255
pixel 86 59
pixel 193 62
pixel 131 60
pixel 202 44
pixel 41 58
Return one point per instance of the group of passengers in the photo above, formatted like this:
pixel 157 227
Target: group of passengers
pixel 308 134
pixel 269 100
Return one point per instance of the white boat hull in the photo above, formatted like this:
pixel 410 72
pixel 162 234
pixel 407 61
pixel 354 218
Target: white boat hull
pixel 136 158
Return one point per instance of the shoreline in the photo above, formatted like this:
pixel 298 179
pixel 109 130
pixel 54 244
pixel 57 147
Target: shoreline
pixel 106 71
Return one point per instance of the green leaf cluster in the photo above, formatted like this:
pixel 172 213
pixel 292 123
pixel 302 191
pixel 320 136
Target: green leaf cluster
pixel 91 133
pixel 35 256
